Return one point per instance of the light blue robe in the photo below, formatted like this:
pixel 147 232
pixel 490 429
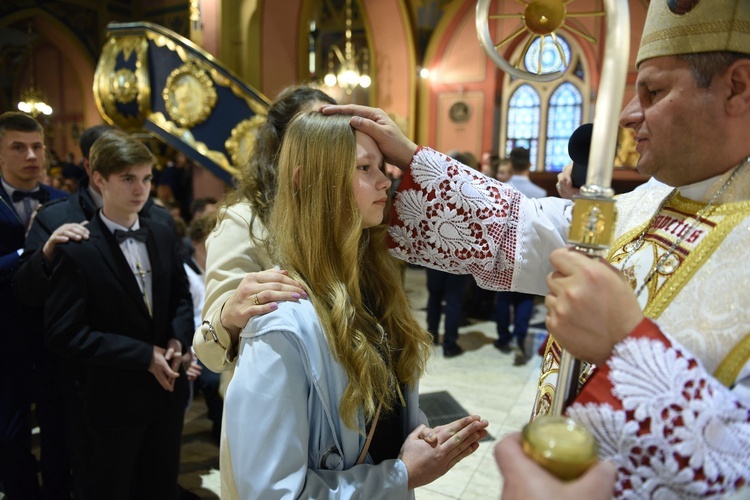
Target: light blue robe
pixel 284 433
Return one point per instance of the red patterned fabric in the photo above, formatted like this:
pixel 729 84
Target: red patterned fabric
pixel 669 426
pixel 447 216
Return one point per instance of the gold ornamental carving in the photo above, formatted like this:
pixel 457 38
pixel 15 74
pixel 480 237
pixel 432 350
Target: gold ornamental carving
pixel 242 141
pixel 158 119
pixel 124 86
pixel 593 222
pixel 122 89
pixel 189 95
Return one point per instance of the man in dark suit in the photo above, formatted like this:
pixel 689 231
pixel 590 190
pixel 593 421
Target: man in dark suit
pixel 119 302
pixel 22 161
pixel 58 222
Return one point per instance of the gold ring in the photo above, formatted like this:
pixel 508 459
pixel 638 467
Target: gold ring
pixel 255 299
pixel 451 431
pixel 457 438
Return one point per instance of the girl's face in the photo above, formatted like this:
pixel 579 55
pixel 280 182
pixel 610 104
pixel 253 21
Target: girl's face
pixel 370 183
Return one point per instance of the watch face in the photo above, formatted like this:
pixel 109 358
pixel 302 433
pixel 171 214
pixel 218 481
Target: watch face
pixel 459 112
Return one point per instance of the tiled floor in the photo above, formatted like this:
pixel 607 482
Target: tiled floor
pixel 482 380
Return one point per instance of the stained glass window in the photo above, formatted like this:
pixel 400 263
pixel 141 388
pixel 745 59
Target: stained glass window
pixel 523 120
pixel 552 53
pixel 542 115
pixel 563 117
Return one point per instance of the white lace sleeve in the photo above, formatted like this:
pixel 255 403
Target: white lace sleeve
pixel 671 428
pixel 451 217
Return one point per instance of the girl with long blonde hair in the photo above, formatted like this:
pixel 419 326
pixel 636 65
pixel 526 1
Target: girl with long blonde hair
pixel 324 401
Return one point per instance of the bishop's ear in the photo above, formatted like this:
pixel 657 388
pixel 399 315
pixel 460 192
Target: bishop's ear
pixel 738 76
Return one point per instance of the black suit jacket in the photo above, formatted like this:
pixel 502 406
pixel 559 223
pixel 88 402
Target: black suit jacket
pixel 95 313
pixel 32 278
pixel 21 330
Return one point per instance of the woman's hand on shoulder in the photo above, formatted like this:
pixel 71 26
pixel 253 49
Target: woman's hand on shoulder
pixel 430 453
pixel 258 293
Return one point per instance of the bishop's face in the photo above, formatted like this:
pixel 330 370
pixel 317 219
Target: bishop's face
pixel 677 124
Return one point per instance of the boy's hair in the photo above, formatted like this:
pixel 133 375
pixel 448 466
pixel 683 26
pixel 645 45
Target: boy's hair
pixel 116 151
pixel 520 159
pixel 89 136
pixel 18 122
pixel 201 227
pixel 354 283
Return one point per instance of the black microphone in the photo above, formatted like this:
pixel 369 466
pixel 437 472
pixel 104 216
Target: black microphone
pixel 578 149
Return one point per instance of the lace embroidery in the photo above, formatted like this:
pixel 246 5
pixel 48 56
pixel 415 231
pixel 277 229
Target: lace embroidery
pixel 458 220
pixel 680 433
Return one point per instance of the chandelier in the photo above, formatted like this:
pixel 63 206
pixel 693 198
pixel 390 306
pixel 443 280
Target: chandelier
pixel 33 100
pixel 349 75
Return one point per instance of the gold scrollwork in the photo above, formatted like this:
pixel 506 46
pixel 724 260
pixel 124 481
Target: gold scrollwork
pixel 188 138
pixel 115 85
pixel 240 145
pixel 189 94
pixel 257 104
pixel 124 85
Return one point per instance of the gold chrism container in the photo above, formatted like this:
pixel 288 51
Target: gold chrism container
pixel 561 445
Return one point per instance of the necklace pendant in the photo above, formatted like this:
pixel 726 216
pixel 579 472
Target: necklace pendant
pixel 669 265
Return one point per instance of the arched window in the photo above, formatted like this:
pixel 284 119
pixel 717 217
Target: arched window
pixel 542 116
pixel 563 117
pixel 523 120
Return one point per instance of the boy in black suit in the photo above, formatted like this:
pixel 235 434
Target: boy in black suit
pixel 22 364
pixel 120 302
pixel 58 222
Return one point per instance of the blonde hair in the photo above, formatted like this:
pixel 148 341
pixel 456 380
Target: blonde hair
pixel 354 283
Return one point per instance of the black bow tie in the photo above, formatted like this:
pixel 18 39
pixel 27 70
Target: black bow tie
pixel 37 195
pixel 139 235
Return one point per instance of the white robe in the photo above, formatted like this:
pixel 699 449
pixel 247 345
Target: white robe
pixel 451 217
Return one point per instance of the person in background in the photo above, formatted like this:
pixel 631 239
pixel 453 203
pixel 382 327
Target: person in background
pixel 518 305
pixel 205 381
pixel 25 370
pixel 447 293
pixel 488 162
pixel 314 377
pixel 504 170
pixel 201 206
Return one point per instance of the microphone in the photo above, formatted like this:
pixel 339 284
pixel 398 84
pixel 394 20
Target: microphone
pixel 578 149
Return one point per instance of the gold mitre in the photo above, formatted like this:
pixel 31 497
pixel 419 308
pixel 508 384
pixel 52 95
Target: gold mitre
pixel 691 26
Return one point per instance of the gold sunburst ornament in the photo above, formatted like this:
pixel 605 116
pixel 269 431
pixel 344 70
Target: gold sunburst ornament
pixel 538 20
pixel 242 142
pixel 189 95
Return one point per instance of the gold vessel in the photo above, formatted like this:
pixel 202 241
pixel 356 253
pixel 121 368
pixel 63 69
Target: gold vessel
pixel 561 445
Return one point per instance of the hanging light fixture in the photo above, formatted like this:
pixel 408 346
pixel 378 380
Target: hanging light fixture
pixel 349 75
pixel 33 100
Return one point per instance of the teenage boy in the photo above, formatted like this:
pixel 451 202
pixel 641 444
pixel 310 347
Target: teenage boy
pixel 119 301
pixel 56 223
pixel 22 366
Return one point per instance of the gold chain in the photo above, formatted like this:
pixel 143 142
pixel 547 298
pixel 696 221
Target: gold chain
pixel 698 217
